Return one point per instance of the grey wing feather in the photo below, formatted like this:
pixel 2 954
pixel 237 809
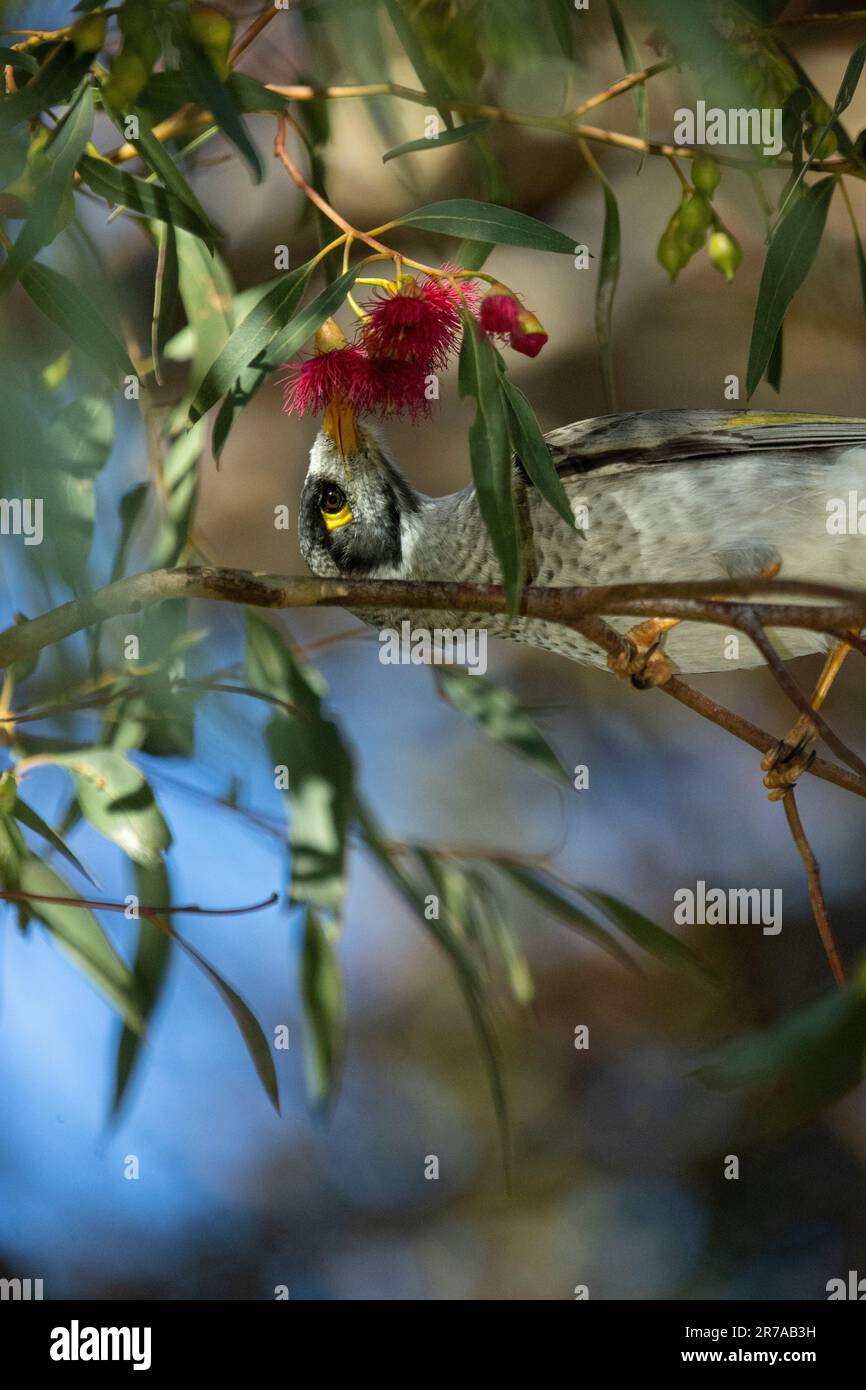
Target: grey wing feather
pixel 668 436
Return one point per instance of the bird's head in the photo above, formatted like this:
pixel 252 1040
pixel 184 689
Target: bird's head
pixel 356 509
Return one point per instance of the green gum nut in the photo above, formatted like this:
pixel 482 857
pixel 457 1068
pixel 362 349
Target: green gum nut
pixel 706 175
pixel 725 254
pixel 695 215
pixel 821 147
pixel 668 254
pixel 88 33
pixel 819 112
pixel 214 33
pixel 129 74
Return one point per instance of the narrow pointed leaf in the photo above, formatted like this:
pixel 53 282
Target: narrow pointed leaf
pixel 475 221
pixel 789 258
pixel 445 137
pixel 74 312
pixel 324 1004
pixel 78 932
pixel 533 453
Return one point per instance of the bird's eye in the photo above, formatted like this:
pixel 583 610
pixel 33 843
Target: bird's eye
pixel 333 501
pixel 335 509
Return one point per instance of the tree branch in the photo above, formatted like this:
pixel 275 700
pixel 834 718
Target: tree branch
pixel 578 607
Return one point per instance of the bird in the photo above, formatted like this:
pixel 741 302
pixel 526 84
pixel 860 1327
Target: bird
pixel 658 496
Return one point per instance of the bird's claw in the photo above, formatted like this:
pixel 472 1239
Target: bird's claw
pixel 785 764
pixel 644 663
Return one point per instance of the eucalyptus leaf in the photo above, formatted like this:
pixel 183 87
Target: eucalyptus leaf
pixel 117 800
pixel 490 454
pixel 78 933
pixel 790 255
pixel 324 1004
pixel 475 221
pixel 73 311
pixel 501 716
pixel 454 136
pixel 152 957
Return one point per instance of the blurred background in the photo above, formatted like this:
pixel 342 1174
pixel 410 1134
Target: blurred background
pixel 619 1151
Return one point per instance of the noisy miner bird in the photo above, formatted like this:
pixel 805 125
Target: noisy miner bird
pixel 662 495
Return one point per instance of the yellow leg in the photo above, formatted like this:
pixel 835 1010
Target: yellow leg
pixel 645 664
pixel 785 763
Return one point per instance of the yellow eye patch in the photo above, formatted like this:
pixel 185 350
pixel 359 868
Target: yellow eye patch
pixel 334 520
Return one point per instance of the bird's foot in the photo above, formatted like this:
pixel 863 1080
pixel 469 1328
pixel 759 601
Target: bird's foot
pixel 644 664
pixel 785 764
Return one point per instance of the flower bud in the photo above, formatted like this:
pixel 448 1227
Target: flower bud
pixel 706 175
pixel 499 311
pixel 528 335
pixel 725 254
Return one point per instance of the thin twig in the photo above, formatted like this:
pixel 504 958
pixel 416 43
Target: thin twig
pixel 252 33
pixel 102 905
pixel 816 892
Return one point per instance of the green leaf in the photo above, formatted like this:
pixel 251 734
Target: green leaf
pixel 789 258
pixel 474 221
pixel 12 57
pixel 218 97
pixel 158 158
pixel 152 957
pixel 324 1005
pixel 166 284
pixel 473 255
pixel 117 800
pixel 81 437
pixel 776 362
pixel 445 137
pixel 58 76
pixel 61 154
pixel 254 349
pixel 33 821
pixel 662 945
pixel 149 199
pixel 250 1028
pixel 631 59
pixel 77 931
pixel 270 666
pixel 251 95
pixel 464 969
pixel 129 509
pixel 608 277
pixel 207 291
pixel 501 716
pixel 421 53
pixel 74 312
pixel 269 335
pixel 490 454
pixel 800 1065
pixel 320 769
pixel 532 451
pixel 560 904
pixel 180 478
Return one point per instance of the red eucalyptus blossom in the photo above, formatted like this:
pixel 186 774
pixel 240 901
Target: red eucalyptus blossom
pixel 332 374
pixel 420 323
pixel 387 386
